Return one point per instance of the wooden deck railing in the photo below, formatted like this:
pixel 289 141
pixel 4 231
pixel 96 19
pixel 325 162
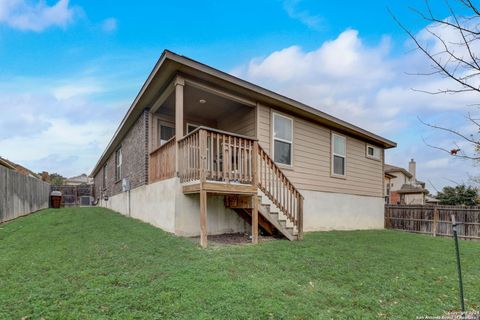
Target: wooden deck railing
pixel 214 155
pixel 162 162
pixel 278 188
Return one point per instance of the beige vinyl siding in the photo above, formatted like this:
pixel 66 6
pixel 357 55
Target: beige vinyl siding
pixel 241 122
pixel 263 122
pixel 311 167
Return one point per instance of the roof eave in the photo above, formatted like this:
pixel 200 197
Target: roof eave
pixel 223 76
pixel 286 101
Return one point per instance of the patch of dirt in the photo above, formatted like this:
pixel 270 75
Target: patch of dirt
pixel 233 239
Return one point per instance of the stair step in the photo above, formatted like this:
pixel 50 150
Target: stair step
pixel 273 213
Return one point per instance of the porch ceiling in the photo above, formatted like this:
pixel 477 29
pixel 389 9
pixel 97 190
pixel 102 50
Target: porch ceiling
pixel 215 106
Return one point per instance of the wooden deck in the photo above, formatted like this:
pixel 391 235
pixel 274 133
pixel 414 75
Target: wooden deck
pixel 213 162
pixel 219 188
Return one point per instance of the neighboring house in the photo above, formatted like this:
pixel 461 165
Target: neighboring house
pixel 18 168
pixel 203 152
pixel 388 185
pixel 431 200
pixel 403 186
pixel 78 180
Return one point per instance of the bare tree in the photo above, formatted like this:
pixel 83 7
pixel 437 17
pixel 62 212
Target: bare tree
pixel 454 57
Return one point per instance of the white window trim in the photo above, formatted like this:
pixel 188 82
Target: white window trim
pixel 104 177
pixel 332 142
pixel 163 123
pixel 374 148
pixel 282 140
pixel 119 165
pixel 192 125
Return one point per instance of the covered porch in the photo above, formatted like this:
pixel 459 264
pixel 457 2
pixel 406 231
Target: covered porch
pixel 206 138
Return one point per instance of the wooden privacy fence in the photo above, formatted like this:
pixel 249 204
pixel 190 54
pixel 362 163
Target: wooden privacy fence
pixel 434 220
pixel 75 195
pixel 21 195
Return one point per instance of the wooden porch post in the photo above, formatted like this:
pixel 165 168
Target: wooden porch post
pixel 203 194
pixel 255 196
pixel 255 219
pixel 203 218
pixel 179 84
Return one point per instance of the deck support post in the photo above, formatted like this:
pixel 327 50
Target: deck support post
pixel 179 84
pixel 300 217
pixel 203 218
pixel 255 219
pixel 255 196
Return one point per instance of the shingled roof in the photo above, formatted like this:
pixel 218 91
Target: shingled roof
pixel 408 189
pixel 388 168
pixel 18 168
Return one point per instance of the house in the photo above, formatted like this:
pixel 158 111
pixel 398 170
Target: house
pixel 402 186
pixel 78 180
pixel 201 152
pixel 18 168
pixel 429 199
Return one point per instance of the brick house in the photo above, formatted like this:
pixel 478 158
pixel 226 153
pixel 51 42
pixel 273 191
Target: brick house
pixel 202 152
pixel 402 185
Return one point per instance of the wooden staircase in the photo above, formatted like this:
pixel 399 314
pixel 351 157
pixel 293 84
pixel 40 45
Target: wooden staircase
pixel 218 162
pixel 271 220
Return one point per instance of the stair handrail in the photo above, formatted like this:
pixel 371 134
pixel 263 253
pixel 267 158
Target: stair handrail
pixel 273 182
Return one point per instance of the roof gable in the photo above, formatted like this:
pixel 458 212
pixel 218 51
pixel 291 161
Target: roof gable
pixel 171 64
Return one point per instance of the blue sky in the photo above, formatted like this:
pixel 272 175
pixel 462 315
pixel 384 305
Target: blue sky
pixel 70 69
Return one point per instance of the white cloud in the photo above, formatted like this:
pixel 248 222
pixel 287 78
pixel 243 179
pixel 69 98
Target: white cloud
pixel 440 163
pixel 60 125
pixel 23 15
pixel 74 89
pixel 368 86
pixel 109 25
pixel 304 16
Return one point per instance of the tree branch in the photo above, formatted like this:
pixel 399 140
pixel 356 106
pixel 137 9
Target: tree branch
pixel 450 131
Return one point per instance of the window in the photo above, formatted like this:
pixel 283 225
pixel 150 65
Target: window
pixel 104 177
pixel 373 152
pixel 339 153
pixel 191 127
pixel 118 164
pixel 282 139
pixel 165 132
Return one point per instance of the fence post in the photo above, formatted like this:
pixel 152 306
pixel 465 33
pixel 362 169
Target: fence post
pixel 387 224
pixel 435 222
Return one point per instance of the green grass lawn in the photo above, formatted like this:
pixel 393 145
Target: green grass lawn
pixel 91 263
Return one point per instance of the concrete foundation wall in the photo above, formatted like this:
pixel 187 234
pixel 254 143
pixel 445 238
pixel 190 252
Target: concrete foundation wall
pixel 153 203
pixel 335 211
pixel 219 219
pixel 164 205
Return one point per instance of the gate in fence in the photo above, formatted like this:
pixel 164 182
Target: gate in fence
pixel 81 195
pixel 434 220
